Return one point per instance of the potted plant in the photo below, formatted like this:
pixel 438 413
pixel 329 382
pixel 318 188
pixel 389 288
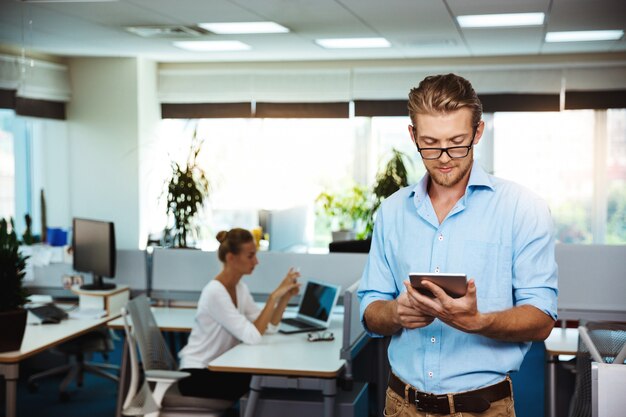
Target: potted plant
pixel 12 294
pixel 187 189
pixel 345 212
pixel 393 177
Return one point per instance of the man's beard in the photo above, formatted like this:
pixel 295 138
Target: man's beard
pixel 454 177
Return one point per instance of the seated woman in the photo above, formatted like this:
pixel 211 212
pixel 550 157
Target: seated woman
pixel 227 315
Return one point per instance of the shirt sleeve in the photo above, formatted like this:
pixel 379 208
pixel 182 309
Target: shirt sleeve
pixel 272 328
pixel 252 311
pixel 377 281
pixel 250 308
pixel 221 309
pixel 534 265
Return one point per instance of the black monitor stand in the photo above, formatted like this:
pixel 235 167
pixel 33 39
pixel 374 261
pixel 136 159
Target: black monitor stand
pixel 97 285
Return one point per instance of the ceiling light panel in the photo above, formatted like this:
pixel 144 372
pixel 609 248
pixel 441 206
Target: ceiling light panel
pixel 584 36
pixel 501 20
pixel 212 46
pixel 345 43
pixel 238 28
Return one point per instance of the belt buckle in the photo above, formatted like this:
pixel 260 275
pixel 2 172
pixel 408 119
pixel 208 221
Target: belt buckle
pixel 427 402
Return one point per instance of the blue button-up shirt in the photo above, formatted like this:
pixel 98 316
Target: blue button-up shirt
pixel 498 233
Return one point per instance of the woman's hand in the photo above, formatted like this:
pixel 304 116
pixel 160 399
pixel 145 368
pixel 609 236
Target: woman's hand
pixel 289 286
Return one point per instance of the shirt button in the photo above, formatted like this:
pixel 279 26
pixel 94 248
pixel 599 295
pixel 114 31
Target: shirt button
pixel 440 238
pixel 437 269
pixel 430 374
pixel 433 340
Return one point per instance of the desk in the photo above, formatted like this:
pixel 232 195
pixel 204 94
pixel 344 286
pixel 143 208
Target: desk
pixel 38 338
pixel 288 361
pixel 560 342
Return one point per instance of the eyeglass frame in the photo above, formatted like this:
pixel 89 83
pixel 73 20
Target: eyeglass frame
pixel 442 150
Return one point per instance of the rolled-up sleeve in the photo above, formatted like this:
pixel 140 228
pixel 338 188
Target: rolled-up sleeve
pixel 377 281
pixel 534 266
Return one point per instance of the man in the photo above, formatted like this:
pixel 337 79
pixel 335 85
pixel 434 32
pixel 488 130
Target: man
pixel 453 355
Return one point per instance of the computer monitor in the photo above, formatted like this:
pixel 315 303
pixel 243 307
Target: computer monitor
pixel 93 243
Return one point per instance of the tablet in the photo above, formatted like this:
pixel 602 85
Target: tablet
pixel 455 285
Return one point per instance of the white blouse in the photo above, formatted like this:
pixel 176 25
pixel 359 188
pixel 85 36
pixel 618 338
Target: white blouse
pixel 219 325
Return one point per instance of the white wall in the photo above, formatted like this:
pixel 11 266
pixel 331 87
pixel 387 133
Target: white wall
pixel 50 172
pixel 103 130
pixel 149 116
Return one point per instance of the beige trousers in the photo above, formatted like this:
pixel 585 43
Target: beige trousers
pixel 397 406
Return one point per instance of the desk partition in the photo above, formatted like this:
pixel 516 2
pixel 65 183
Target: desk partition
pixel 180 274
pixel 337 268
pixel 592 282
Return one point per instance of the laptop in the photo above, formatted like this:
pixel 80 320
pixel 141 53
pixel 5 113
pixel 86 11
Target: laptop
pixel 314 311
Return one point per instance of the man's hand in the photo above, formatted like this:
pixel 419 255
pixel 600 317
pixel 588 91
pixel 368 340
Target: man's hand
pixel 408 316
pixel 461 313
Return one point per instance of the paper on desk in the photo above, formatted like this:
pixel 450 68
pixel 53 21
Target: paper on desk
pixel 87 313
pixel 40 298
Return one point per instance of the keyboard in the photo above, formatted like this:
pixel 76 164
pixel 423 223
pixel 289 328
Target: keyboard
pixel 297 323
pixel 49 313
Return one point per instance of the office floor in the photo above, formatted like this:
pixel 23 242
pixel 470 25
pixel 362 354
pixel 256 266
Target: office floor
pixel 98 395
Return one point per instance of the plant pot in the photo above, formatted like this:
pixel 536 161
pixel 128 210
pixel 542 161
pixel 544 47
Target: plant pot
pixel 340 235
pixel 12 328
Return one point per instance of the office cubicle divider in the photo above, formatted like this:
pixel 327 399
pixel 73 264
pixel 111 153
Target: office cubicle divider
pixel 592 282
pixel 180 274
pixel 591 277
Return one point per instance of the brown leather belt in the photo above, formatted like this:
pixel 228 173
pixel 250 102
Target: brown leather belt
pixel 475 401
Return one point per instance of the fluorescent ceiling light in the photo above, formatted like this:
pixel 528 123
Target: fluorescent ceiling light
pixel 243 28
pixel 212 45
pixel 584 35
pixel 67 1
pixel 343 43
pixel 500 20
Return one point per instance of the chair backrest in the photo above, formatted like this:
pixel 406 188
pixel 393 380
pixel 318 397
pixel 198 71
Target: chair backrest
pixel 137 401
pixel 354 336
pixel 155 355
pixel 602 342
pixel 605 341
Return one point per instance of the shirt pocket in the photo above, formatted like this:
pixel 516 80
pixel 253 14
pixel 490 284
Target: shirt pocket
pixel 489 263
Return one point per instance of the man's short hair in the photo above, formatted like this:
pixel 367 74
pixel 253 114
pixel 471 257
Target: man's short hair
pixel 443 94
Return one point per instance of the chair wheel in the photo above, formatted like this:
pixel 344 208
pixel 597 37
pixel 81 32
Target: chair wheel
pixel 33 387
pixel 64 397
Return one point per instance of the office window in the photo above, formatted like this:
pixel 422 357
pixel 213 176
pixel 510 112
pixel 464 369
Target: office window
pixel 273 164
pixel 616 177
pixel 7 166
pixel 575 160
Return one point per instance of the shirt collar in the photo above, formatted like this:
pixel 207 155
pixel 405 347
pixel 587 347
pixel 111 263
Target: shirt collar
pixel 478 179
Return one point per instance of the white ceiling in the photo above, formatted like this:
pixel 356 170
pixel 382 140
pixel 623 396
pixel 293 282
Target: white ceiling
pixel 415 28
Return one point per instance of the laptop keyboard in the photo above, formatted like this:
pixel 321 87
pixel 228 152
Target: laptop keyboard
pixel 49 311
pixel 296 323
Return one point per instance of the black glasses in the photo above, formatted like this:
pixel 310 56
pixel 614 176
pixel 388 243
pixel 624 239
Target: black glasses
pixel 320 337
pixel 454 152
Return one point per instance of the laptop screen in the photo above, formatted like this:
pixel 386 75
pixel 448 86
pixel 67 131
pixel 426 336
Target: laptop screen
pixel 318 301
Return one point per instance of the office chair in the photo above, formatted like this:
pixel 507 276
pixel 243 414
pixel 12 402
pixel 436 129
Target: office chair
pixel 77 350
pixel 603 342
pixel 158 394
